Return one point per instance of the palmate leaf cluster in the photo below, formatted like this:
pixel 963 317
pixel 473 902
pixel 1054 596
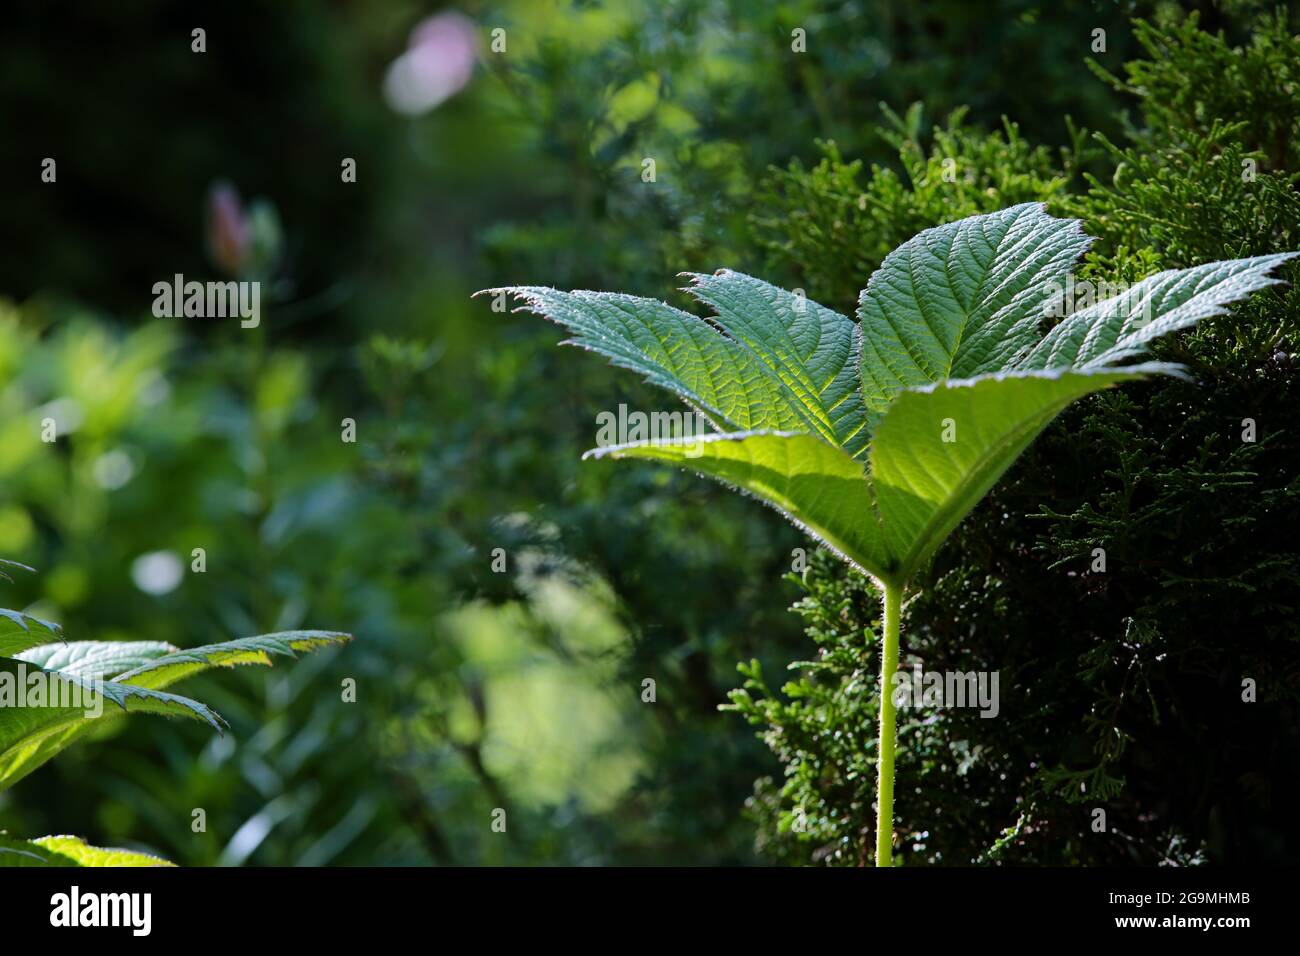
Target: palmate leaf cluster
pixel 1127 682
pixel 879 435
pixel 1010 786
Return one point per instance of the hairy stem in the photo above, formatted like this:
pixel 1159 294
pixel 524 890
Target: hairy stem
pixel 885 764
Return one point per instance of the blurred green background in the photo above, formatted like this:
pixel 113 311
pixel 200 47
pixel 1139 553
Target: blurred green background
pixel 476 167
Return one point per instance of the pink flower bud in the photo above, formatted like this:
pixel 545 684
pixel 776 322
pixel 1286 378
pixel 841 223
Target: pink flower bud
pixel 229 234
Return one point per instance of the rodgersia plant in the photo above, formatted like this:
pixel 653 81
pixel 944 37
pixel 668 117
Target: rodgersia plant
pixel 878 436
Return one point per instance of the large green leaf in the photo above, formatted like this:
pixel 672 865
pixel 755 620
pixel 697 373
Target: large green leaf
pixel 93 659
pixel 178 665
pixel 26 731
pixel 941 447
pixel 672 349
pixel 920 485
pixel 812 349
pixel 144 681
pixel 767 359
pixel 962 299
pixel 817 486
pixel 20 631
pixel 65 851
pixel 1121 326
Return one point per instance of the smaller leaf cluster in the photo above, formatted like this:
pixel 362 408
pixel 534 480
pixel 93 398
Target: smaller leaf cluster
pixel 89 682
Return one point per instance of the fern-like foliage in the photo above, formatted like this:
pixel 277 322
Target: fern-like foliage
pixel 877 436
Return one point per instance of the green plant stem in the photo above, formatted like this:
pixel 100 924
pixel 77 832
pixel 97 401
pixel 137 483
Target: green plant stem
pixel 885 763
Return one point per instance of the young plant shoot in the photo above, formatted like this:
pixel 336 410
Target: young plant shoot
pixel 877 437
